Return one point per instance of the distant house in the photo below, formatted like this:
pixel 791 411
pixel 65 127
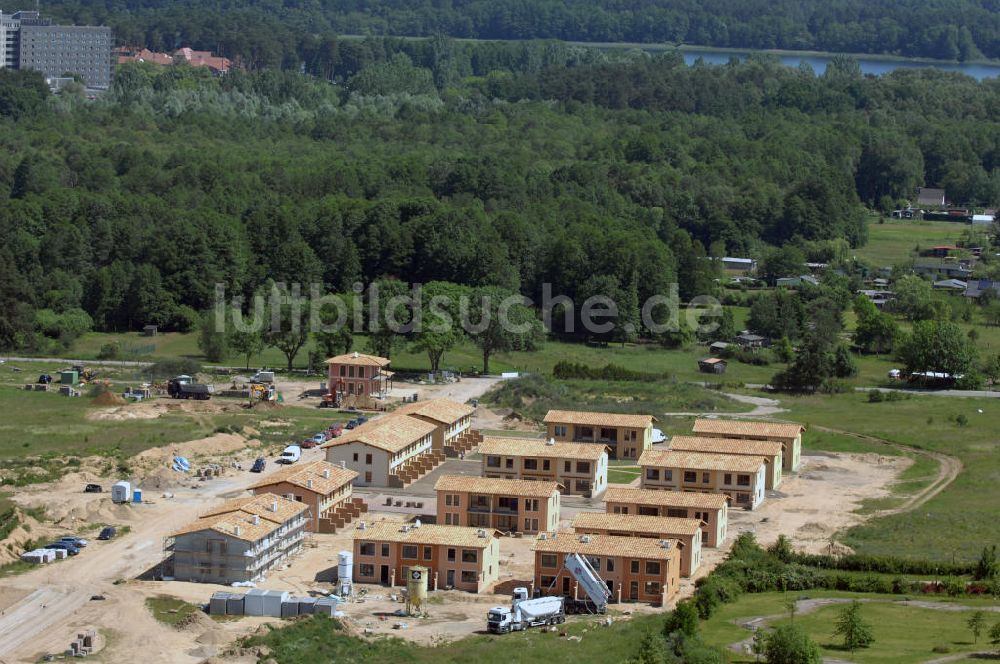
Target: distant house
pixel 906 213
pixel 712 365
pixel 947 269
pixel 977 287
pixel 149 330
pixel 792 282
pixel 745 265
pixel 879 298
pixel 217 64
pixel 719 347
pixel 928 196
pixel 941 251
pixel 747 339
pixel 951 285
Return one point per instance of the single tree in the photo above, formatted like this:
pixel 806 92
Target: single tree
pixel 498 321
pixel 212 339
pixel 995 634
pixel 683 619
pixel 788 644
pixel 976 623
pixel 987 567
pixel 247 342
pixel 286 326
pixel 850 625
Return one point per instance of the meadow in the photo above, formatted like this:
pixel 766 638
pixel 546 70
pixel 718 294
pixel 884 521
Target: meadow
pixel 892 241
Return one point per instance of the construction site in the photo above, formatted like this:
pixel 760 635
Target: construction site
pixel 428 517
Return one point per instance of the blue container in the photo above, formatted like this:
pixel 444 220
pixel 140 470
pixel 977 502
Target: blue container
pixel 137 496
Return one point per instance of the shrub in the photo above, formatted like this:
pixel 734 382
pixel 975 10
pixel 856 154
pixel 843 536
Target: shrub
pixel 109 351
pixel 569 370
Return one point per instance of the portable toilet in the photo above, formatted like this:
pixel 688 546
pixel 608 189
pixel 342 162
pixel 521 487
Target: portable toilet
pixel 137 496
pixel 121 492
pixel 69 377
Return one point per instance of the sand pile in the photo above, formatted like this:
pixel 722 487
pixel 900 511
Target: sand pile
pixel 108 398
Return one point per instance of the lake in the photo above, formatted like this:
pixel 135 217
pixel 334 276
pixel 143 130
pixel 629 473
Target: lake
pixel 870 64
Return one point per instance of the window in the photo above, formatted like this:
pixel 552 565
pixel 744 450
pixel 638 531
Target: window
pixel 428 552
pixel 493 461
pixel 583 485
pixel 743 480
pixel 583 466
pixel 652 588
pixel 568 467
pixel 652 567
pixel 611 564
pixel 546 464
pixel 531 464
pixel 470 556
pixel 368 477
pixel 469 577
pixel 449 519
pixel 705 478
pixel 618 509
pixel 350 372
pixel 453 500
pixel 690 476
pixel 355 457
pixel 366 571
pixel 560 430
pixel 367 549
pixel 368 459
pixel 531 505
pixel 451 555
pixel 652 473
pixel 385 550
pixel 410 551
pixel 361 372
pixel 585 432
pixel 550 560
pixel 634 566
pixel 343 370
pixel 728 479
pixel 531 524
pixel 677 513
pixel 547 581
pixel 668 475
pixel 509 464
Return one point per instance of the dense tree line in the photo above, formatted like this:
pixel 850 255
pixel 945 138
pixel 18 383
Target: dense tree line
pixel 495 166
pixel 291 32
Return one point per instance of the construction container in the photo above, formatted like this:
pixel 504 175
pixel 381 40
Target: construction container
pixel 234 605
pixel 253 602
pixel 61 554
pixel 217 605
pixel 121 492
pixel 38 556
pixel 307 606
pixel 69 377
pixel 326 606
pixel 272 601
pixel 290 607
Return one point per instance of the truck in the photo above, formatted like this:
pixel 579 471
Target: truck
pixel 263 377
pixel 524 613
pixel 184 387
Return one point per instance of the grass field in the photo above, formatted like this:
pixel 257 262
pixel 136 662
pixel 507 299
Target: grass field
pixel 903 633
pixel 170 610
pixel 893 241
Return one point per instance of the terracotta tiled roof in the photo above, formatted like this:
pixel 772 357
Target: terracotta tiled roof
pixel 360 359
pixel 392 531
pixel 700 461
pixel 390 432
pixel 627 494
pixel 302 474
pixel 496 487
pixel 766 448
pixel 235 517
pixel 607 545
pixel 664 526
pixel 598 419
pixel 445 411
pixel 747 428
pixel 533 447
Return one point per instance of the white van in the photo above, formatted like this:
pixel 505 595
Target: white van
pixel 291 454
pixel 263 377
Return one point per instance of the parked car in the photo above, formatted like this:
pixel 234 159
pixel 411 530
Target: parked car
pixel 93 488
pixel 68 548
pixel 258 465
pixel 78 542
pixel 320 438
pixel 308 444
pixel 336 430
pixel 351 424
pixel 361 420
pixel 108 532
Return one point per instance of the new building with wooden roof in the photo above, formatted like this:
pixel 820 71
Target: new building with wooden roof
pixel 742 478
pixel 770 450
pixel 788 434
pixel 356 379
pixel 389 451
pixel 686 531
pixel 240 540
pixel 635 569
pixel 626 436
pixel 326 488
pixel 712 509
pixel 507 505
pixel 580 468
pixel 457 557
pixel 453 434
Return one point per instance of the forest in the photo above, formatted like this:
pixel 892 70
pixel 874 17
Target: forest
pixel 507 166
pixel 284 33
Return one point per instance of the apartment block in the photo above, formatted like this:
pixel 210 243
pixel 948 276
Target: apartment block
pixel 686 531
pixel 463 558
pixel 741 478
pixel 625 436
pixel 770 450
pixel 580 468
pixel 453 434
pixel 241 540
pixel 506 505
pixel 324 487
pixel 712 509
pixel 788 434
pixel 30 42
pixel 390 451
pixel 635 569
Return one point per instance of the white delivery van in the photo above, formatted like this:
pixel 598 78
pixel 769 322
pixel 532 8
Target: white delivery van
pixel 291 454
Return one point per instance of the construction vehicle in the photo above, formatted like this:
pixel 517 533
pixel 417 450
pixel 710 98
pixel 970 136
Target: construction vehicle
pixel 589 581
pixel 183 387
pixel 263 377
pixel 524 613
pixel 260 392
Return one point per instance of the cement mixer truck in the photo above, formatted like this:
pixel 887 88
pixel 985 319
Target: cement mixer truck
pixel 524 613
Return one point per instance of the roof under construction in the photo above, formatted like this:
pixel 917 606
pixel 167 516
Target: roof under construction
pixel 607 545
pixel 747 428
pixel 395 531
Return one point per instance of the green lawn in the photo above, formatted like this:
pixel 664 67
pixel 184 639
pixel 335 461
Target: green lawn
pixel 171 611
pixel 902 633
pixel 958 522
pixel 893 241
